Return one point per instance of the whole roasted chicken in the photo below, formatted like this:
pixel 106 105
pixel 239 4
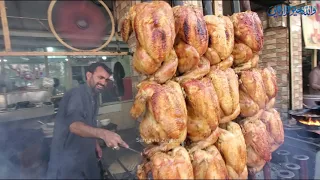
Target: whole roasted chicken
pixel 272 120
pixel 208 164
pixel 174 164
pixel 248 32
pixel 257 142
pixel 226 86
pixel 165 120
pixel 270 84
pixel 252 93
pixel 192 36
pixel 221 39
pixel 232 147
pixel 154 27
pixel 203 110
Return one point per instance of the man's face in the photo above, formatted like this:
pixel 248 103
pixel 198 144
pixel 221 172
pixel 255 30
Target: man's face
pixel 98 80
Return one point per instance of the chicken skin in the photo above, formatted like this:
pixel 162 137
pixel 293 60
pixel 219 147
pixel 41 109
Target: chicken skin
pixel 221 38
pixel 192 36
pixel 154 27
pixel 165 120
pixel 175 164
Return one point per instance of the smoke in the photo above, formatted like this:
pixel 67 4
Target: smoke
pixel 21 153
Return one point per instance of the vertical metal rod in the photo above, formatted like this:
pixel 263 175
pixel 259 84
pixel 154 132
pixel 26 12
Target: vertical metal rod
pixel 5 26
pixel 177 3
pixel 207 7
pixel 245 5
pixel 267 171
pixel 236 6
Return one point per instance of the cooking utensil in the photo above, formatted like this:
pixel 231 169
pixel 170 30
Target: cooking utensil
pixel 134 150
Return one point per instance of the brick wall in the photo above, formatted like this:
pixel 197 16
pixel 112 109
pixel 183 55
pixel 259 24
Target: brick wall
pixel 296 63
pixel 275 53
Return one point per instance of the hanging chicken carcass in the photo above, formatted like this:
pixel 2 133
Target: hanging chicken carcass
pixel 271 118
pixel 154 27
pixel 203 111
pixel 165 120
pixel 248 34
pixel 226 86
pixel 208 164
pixel 221 40
pixel 174 164
pixel 232 147
pixel 258 89
pixel 192 36
pixel 257 142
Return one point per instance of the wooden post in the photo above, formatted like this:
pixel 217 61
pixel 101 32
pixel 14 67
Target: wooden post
pixel 314 58
pixel 245 5
pixel 216 7
pixel 5 26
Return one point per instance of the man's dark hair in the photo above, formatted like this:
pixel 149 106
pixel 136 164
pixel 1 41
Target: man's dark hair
pixel 92 68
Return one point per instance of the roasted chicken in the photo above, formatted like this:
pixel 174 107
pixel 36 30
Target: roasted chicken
pixel 165 121
pixel 270 84
pixel 221 38
pixel 257 142
pixel 203 108
pixel 272 120
pixel 154 27
pixel 198 72
pixel 192 36
pixel 248 29
pixel 252 92
pixel 248 34
pixel 208 164
pixel 175 164
pixel 226 86
pixel 232 147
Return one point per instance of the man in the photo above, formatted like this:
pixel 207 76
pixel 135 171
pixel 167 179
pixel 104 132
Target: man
pixel 314 80
pixel 75 136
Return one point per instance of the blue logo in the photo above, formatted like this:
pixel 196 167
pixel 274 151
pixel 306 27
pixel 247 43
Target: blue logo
pixel 280 10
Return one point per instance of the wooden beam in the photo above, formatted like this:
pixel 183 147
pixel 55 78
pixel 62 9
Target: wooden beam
pixel 51 43
pixel 5 26
pixel 43 34
pixel 80 53
pixel 245 5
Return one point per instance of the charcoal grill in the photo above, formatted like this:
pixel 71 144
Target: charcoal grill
pixel 307 115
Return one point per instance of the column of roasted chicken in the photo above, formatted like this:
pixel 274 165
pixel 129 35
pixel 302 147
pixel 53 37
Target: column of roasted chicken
pixel 202 127
pixel 272 120
pixel 191 37
pixel 225 82
pixel 248 31
pixel 153 25
pixel 221 41
pixel 257 142
pixel 232 147
pixel 164 124
pixel 172 165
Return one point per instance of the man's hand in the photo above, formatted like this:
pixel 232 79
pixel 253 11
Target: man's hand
pixel 99 150
pixel 112 139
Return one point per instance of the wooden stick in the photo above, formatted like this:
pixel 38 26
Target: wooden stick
pixel 5 27
pixel 80 53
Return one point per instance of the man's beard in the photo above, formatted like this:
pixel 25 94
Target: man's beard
pixel 98 90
